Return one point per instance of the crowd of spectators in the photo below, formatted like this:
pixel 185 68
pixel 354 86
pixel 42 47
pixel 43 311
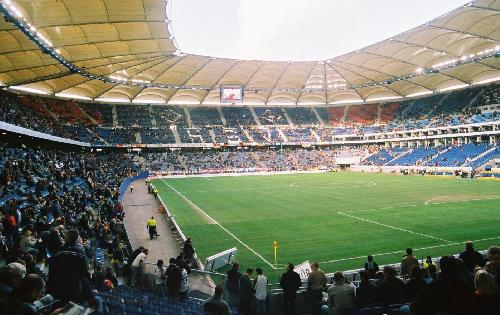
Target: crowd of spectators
pixel 57 209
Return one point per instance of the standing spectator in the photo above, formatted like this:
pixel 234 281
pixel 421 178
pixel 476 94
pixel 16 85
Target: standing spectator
pixel 188 250
pixel 216 305
pixel 371 266
pixel 471 257
pixel 160 276
pixel 181 262
pixel 260 287
pixel 246 292
pixel 340 294
pixel 486 298
pixel 233 284
pixel 448 293
pixel 68 271
pixel 290 282
pixel 138 266
pixel 316 283
pixel 184 287
pixel 408 262
pixel 174 278
pixel 392 289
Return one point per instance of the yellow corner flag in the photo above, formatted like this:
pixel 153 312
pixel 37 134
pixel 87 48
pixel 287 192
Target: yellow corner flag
pixel 275 245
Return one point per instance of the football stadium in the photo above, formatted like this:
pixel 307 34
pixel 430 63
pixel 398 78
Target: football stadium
pixel 139 178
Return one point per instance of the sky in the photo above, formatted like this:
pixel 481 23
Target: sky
pixel 294 30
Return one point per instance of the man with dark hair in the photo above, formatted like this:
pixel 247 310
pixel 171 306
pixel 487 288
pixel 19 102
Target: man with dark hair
pixel 216 305
pixel 448 293
pixel 233 283
pixel 471 257
pixel 188 250
pixel 371 267
pixel 174 278
pixel 316 282
pixel 392 289
pixel 493 265
pixel 290 282
pixel 408 262
pixel 68 271
pixel 138 266
pixel 341 294
pixel 246 292
pixel 366 293
pixel 260 287
pixel 151 225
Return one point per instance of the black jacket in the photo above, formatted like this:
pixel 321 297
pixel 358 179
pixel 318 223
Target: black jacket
pixel 290 281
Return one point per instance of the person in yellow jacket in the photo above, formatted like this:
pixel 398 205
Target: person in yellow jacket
pixel 151 225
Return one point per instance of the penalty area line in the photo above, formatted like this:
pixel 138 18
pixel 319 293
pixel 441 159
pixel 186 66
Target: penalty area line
pixel 393 227
pixel 219 225
pixel 415 249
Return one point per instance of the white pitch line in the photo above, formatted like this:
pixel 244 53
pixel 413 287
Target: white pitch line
pixel 415 249
pixel 218 224
pixel 393 227
pixel 427 203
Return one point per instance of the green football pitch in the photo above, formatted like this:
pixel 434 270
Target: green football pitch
pixel 336 219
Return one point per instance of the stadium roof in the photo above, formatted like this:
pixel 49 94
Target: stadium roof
pixel 123 51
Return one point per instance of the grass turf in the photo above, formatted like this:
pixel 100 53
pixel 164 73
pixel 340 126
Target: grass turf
pixel 334 218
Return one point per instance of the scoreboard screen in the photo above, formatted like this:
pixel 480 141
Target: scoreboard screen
pixel 231 93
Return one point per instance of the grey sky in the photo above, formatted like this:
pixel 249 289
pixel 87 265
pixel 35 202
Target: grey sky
pixel 295 29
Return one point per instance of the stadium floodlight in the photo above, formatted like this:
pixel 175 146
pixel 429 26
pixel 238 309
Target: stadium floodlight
pixel 419 94
pixel 383 98
pixel 346 102
pixel 112 100
pixel 487 80
pixel 73 96
pixel 453 87
pixel 29 90
pixel 146 101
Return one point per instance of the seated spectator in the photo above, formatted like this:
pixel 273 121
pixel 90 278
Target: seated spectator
pixel 98 277
pixel 428 262
pixel 20 300
pixel 392 289
pixel 341 294
pixel 10 276
pixel 110 275
pixel 448 293
pixel 493 265
pixel 415 284
pixel 366 294
pixel 471 257
pixel 486 298
pixel 216 305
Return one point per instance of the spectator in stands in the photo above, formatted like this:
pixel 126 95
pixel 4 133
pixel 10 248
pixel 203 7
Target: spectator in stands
pixel 174 278
pixel 10 276
pixel 486 298
pixel 392 289
pixel 233 283
pixel 216 305
pixel 20 300
pixel 366 293
pixel 260 287
pixel 111 276
pixel 160 276
pixel 371 267
pixel 448 293
pixel 181 262
pixel 188 250
pixel 184 286
pixel 493 265
pixel 428 262
pixel 415 284
pixel 290 282
pixel 98 277
pixel 316 283
pixel 138 267
pixel 340 295
pixel 247 293
pixel 131 259
pixel 408 262
pixel 69 277
pixel 471 257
